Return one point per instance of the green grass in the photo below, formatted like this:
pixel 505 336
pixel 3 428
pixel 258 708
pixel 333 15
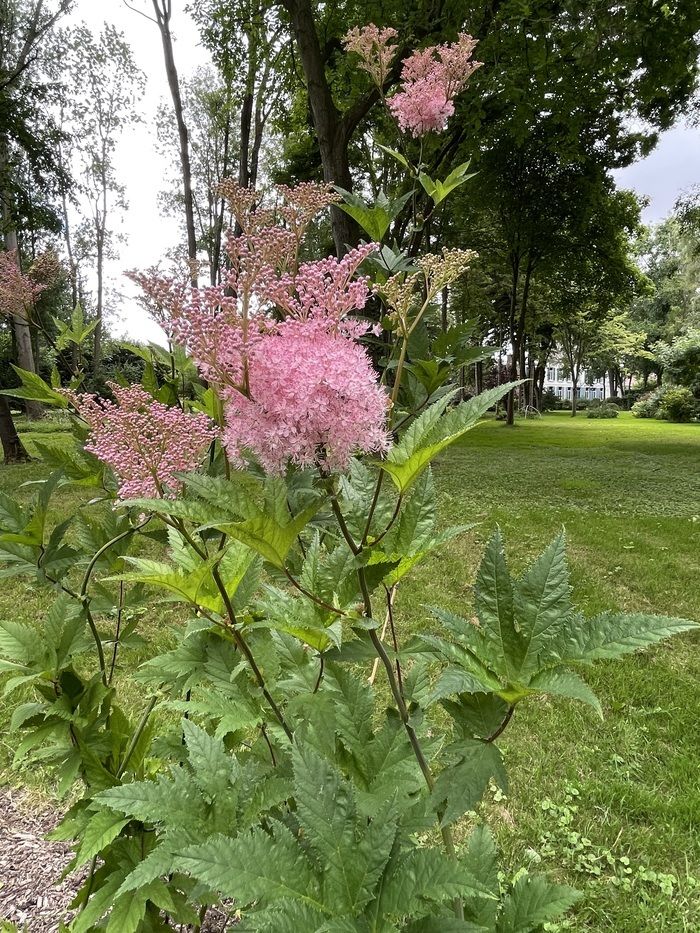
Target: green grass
pixel 621 798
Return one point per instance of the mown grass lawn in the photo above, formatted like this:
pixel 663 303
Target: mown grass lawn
pixel 612 807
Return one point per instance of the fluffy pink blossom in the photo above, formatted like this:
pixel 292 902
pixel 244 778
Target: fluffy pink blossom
pixel 375 49
pixel 430 80
pixel 145 442
pixel 278 340
pixel 314 399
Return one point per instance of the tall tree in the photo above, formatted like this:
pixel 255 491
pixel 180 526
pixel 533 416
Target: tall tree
pixel 163 12
pixel 209 112
pixel 104 88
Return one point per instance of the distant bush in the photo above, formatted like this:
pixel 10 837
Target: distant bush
pixel 603 410
pixel 550 401
pixel 677 403
pixel 647 406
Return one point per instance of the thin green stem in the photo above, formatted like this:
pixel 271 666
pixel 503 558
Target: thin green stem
pixel 85 599
pixel 136 736
pixel 246 652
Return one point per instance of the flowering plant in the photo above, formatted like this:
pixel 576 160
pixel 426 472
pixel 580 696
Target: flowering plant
pixel 297 753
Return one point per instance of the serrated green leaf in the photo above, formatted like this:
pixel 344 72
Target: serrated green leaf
pixel 424 875
pixel 213 768
pixel 255 866
pixel 564 683
pixel 433 432
pixel 493 597
pixel 533 901
pixel 542 603
pixel 102 828
pixel 127 914
pixel 394 154
pixel 267 536
pixel 612 635
pixel 460 787
pixel 35 388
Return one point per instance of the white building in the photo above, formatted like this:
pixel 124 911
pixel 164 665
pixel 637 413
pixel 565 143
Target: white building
pixel 558 382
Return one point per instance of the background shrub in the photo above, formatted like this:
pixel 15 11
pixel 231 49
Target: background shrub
pixel 647 406
pixel 603 410
pixel 677 403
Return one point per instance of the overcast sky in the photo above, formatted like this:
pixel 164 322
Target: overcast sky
pixel 672 168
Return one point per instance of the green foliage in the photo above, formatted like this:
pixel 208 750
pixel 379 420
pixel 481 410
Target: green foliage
pixel 35 388
pixel 677 403
pixel 603 410
pixel 376 218
pixel 438 190
pixel 289 786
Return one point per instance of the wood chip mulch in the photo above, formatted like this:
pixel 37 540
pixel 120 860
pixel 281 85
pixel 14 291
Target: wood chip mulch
pixel 32 894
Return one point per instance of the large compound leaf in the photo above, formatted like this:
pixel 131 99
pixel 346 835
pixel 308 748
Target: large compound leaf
pixel 255 866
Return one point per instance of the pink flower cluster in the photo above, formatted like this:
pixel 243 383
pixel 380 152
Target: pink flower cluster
pixel 276 340
pixel 430 80
pixel 18 290
pixel 145 442
pixel 313 399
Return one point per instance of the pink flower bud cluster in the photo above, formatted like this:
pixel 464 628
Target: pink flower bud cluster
pixel 276 340
pixel 145 442
pixel 374 48
pixel 430 80
pixel 18 290
pixel 324 291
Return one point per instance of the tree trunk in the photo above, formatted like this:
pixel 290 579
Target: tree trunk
pixel 332 131
pixel 510 400
pixel 12 446
pixel 574 397
pixel 163 13
pixel 479 377
pixel 99 310
pixel 23 342
pixel 444 322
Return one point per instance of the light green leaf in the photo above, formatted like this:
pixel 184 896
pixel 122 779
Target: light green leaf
pixel 438 190
pixel 35 388
pixel 267 536
pixel 102 829
pixel 394 154
pixel 434 431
